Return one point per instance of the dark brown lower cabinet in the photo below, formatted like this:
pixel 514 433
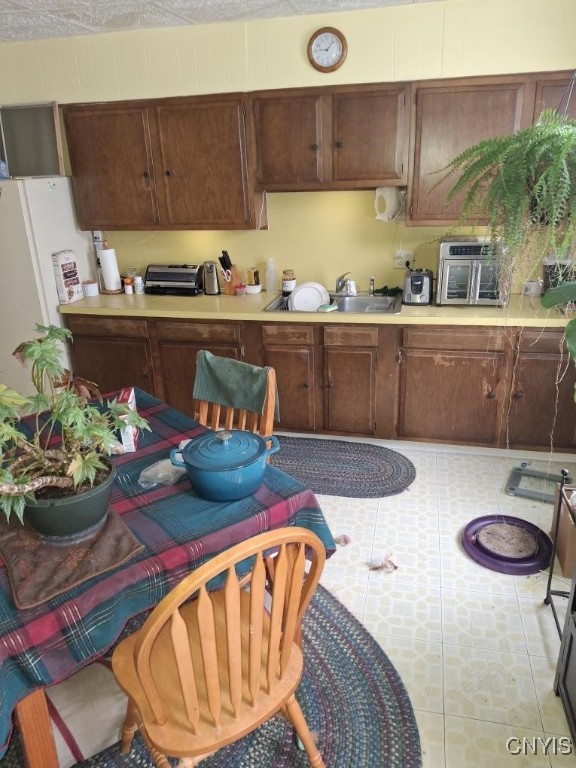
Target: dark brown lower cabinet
pixel 292 350
pixel 452 384
pixel 542 409
pixel 178 344
pixel 112 352
pixel 350 360
pixel 457 384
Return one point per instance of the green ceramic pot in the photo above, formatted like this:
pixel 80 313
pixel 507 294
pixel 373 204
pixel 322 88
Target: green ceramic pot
pixel 72 518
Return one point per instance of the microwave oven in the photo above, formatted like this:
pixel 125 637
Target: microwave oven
pixel 468 272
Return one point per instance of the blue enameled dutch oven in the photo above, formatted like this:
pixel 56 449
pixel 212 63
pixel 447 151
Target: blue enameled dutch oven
pixel 226 465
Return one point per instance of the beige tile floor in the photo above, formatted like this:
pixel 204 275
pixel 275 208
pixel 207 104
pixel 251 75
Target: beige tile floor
pixel 476 649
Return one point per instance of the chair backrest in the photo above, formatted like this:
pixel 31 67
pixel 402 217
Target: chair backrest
pixel 218 416
pixel 227 623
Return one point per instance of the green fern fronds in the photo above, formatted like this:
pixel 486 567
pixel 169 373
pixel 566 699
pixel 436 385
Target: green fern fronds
pixel 522 182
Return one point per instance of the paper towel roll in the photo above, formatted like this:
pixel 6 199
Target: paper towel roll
pixel 110 271
pixel 387 203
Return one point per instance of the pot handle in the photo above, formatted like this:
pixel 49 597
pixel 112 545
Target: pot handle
pixel 275 445
pixel 177 462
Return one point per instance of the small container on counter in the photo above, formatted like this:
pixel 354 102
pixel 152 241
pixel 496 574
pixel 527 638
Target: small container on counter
pixel 288 282
pixel 252 276
pixel 128 285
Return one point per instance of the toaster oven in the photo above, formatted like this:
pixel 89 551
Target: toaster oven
pixel 468 272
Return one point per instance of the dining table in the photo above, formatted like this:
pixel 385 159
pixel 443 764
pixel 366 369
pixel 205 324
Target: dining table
pixel 175 531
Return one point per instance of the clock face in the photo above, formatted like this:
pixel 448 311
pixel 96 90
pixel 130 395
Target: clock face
pixel 327 49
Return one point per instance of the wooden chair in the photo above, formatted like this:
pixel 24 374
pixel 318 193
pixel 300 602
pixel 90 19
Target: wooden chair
pixel 201 673
pixel 218 416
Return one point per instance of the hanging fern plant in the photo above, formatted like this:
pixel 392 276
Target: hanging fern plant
pixel 524 184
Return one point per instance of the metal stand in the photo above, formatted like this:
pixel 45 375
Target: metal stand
pixel 552 593
pixel 516 475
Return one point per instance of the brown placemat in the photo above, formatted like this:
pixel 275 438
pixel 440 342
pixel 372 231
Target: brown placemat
pixel 38 570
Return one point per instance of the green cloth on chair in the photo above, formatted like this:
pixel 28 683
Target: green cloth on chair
pixel 231 383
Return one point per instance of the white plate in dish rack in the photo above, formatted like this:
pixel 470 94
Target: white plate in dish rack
pixel 307 297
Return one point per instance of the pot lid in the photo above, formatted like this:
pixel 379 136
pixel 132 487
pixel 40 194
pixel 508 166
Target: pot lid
pixel 227 449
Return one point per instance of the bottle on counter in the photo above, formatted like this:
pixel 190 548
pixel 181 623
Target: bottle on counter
pixel 270 276
pixel 288 282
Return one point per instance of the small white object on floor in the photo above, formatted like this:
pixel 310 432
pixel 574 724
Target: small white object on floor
pixel 342 540
pixel 382 563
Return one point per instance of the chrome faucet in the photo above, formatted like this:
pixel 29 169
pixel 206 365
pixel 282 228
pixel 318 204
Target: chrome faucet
pixel 372 285
pixel 341 282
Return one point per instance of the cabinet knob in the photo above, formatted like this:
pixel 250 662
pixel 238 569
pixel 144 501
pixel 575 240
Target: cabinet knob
pixel 306 385
pixel 329 385
pixel 146 175
pixel 338 144
pixel 314 147
pixel 167 172
pixel 518 395
pixel 491 395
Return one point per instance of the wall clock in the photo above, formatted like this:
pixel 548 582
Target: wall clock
pixel 327 49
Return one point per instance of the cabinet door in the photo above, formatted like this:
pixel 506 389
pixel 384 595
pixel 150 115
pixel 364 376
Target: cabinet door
pixel 203 163
pixel 552 94
pixel 113 363
pixel 289 141
pixel 453 396
pixel 448 120
pixel 112 169
pixel 350 389
pixel 296 380
pixel 369 136
pixel 178 364
pixel 542 409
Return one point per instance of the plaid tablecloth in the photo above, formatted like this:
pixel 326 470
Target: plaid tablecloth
pixel 179 530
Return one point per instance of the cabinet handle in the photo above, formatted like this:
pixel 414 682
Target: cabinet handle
pixel 314 147
pixel 167 172
pixel 518 395
pixel 338 144
pixel 491 395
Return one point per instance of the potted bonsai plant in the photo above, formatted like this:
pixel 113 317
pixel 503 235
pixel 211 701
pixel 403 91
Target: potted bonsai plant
pixel 524 184
pixel 58 457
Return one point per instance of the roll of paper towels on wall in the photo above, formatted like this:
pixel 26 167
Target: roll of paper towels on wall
pixel 387 203
pixel 110 273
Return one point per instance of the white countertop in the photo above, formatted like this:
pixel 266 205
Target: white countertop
pixel 522 311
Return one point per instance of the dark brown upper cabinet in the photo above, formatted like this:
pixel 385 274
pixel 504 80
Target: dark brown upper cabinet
pixel 551 93
pixel 449 117
pixel 348 137
pixel 166 164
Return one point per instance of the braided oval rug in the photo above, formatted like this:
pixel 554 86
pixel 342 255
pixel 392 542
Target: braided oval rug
pixel 353 699
pixel 344 467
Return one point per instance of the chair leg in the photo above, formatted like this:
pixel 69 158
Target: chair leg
pixel 296 717
pixel 129 728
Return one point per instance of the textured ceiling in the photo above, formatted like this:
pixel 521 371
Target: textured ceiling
pixel 37 19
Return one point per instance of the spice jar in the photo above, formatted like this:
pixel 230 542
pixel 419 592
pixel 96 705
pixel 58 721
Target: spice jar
pixel 288 282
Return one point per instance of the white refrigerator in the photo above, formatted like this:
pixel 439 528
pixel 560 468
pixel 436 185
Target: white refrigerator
pixel 36 220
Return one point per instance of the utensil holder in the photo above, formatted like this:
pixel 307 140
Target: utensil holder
pixel 229 288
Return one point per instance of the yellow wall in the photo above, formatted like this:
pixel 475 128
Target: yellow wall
pixel 317 234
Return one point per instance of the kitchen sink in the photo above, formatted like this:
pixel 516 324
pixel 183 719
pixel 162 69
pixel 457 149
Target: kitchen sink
pixel 361 304
pixel 349 304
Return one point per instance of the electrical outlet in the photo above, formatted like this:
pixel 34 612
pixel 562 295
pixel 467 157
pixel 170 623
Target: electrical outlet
pixel 97 238
pixel 401 257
